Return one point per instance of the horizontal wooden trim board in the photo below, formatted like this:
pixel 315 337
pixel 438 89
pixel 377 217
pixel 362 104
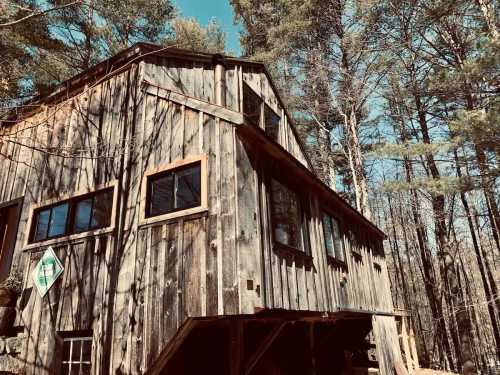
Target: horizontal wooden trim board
pixel 193 103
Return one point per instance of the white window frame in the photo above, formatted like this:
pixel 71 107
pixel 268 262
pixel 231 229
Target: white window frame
pixel 70 361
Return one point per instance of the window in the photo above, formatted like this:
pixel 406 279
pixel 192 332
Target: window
pixel 74 215
pixel 77 353
pixel 174 190
pixel 287 216
pixel 93 212
pixel 51 222
pixel 333 238
pixel 353 246
pixel 252 104
pixel 252 107
pixel 272 122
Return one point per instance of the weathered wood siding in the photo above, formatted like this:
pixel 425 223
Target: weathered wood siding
pixel 71 146
pixel 196 79
pixel 313 283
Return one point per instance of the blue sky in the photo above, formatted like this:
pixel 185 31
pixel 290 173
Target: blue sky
pixel 204 10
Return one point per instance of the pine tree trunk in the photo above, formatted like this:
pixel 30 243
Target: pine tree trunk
pixel 428 274
pixel 488 184
pixel 480 262
pixel 414 310
pixel 356 163
pixel 438 209
pixel 463 324
pixel 397 257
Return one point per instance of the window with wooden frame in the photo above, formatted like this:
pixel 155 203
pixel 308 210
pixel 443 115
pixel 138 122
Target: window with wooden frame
pixel 175 190
pixel 288 217
pixel 82 213
pixel 252 105
pixel 76 355
pixel 334 246
pixel 354 246
pixel 271 122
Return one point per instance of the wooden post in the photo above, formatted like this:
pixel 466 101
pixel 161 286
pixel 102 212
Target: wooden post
pixel 261 350
pixel 312 348
pixel 235 346
pixel 406 347
pixel 416 364
pixel 220 81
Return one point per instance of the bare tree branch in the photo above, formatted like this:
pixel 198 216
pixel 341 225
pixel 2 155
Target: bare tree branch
pixel 40 13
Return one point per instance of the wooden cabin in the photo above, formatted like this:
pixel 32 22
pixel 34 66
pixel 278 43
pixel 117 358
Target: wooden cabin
pixel 192 230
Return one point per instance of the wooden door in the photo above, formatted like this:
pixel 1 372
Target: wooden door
pixel 9 219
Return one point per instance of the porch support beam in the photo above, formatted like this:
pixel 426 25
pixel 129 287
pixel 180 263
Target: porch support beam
pixel 266 343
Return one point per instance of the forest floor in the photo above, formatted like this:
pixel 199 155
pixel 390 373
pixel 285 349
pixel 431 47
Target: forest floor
pixel 427 371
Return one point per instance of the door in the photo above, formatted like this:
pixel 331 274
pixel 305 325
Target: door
pixel 9 219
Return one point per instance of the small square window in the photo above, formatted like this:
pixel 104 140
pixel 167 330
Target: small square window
pixel 174 190
pixel 76 356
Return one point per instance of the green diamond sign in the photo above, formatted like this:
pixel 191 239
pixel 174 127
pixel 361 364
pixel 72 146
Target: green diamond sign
pixel 46 272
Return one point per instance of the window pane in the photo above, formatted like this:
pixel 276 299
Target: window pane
pixel 42 225
pixel 82 215
pixel 251 105
pixel 161 195
pixel 188 187
pixel 286 216
pixel 76 354
pixel 86 350
pixel 101 212
pixel 272 122
pixel 339 248
pixel 85 369
pixel 58 220
pixel 65 369
pixel 329 237
pixel 66 350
